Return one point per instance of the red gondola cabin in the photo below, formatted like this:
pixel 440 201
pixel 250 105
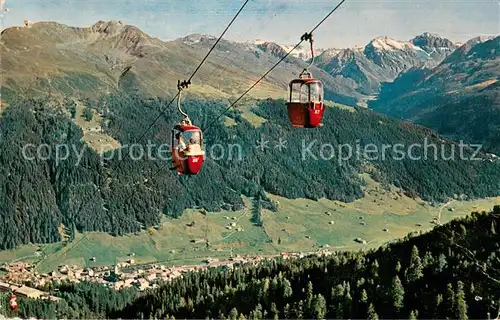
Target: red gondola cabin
pixel 13 302
pixel 305 107
pixel 187 149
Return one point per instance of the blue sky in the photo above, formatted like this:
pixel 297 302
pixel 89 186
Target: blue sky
pixel 283 21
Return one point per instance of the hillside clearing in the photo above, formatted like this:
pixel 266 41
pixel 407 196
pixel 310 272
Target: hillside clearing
pixel 92 131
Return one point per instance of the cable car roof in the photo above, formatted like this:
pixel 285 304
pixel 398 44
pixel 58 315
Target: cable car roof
pixel 305 80
pixel 184 128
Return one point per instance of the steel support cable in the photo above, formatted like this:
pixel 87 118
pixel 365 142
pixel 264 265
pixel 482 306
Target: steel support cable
pixel 303 38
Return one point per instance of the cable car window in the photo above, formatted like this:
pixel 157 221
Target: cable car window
pixel 304 93
pixel 299 93
pixel 316 91
pixel 175 138
pixel 179 142
pixel 295 92
pixel 193 137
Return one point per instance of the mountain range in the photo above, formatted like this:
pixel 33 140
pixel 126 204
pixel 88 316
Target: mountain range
pixel 459 98
pixel 50 55
pixel 383 59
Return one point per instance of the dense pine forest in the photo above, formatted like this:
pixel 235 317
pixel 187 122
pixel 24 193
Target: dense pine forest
pixel 451 272
pixel 119 197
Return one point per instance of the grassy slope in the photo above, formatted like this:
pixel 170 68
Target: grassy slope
pixel 171 244
pixel 92 132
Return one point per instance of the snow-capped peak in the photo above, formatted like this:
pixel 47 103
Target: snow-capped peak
pixel 302 52
pixel 472 42
pixel 330 53
pixel 481 39
pixel 259 41
pixel 197 38
pixel 430 35
pixel 389 44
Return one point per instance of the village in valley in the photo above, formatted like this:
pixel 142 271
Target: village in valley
pixel 22 279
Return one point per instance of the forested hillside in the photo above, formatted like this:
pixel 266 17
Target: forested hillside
pixel 451 272
pixel 36 197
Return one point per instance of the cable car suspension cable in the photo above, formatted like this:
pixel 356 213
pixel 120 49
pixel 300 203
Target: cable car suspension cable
pixel 84 204
pixel 262 26
pixel 220 38
pixel 303 38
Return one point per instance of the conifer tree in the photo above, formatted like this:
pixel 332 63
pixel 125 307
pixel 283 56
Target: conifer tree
pixel 414 271
pixel 496 210
pixel 398 266
pixel 428 259
pixel 287 311
pixel 347 301
pixel 309 296
pixel 299 313
pixel 372 314
pixel 438 306
pixel 233 314
pixel 257 210
pixel 461 304
pixel 274 311
pixel 413 315
pixel 256 314
pixel 449 300
pixel 397 293
pixel 242 317
pixel 319 307
pixel 374 269
pixel 364 296
pixel 287 288
pixel 337 299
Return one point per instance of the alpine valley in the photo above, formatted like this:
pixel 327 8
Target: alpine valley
pixel 98 88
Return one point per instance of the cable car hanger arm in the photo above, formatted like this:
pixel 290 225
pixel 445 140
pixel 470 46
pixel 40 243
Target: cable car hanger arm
pixel 180 86
pixel 308 36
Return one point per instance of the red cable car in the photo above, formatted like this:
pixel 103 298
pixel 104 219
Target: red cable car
pixel 187 158
pixel 187 142
pixel 13 302
pixel 305 105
